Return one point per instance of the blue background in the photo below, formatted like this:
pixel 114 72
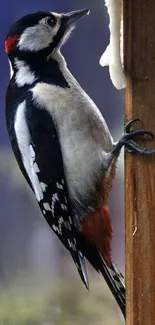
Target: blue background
pixel 28 248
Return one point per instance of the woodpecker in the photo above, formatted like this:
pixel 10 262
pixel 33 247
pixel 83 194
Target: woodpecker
pixel 62 143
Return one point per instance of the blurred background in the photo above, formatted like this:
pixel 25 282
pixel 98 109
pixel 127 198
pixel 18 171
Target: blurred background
pixel 38 283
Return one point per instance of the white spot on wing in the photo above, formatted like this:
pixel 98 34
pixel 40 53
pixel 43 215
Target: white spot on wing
pixel 64 207
pixel 54 199
pixel 32 153
pixel 56 229
pixel 43 186
pixel 28 155
pixel 68 226
pixel 60 221
pixel 33 163
pixel 36 168
pixel 59 186
pixel 47 206
pixel 35 180
pixel 71 245
pixel 70 220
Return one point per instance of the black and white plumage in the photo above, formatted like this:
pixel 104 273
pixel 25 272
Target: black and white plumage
pixel 62 143
pixel 36 146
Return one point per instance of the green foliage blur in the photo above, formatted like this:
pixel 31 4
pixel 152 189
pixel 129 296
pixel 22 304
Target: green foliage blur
pixel 64 303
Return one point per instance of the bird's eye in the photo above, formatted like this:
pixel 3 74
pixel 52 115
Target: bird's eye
pixel 50 22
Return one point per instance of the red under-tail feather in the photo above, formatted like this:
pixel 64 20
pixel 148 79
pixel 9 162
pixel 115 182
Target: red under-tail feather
pixel 97 228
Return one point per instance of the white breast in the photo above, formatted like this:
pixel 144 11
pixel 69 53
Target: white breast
pixel 84 136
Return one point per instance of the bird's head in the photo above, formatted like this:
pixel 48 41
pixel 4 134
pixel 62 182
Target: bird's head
pixel 41 32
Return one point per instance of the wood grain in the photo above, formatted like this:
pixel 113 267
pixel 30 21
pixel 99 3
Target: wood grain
pixel 139 48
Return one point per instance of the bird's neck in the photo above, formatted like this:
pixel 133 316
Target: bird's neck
pixel 31 68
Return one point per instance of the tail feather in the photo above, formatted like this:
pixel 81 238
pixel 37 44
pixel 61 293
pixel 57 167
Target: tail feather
pixel 111 274
pixel 81 267
pixel 115 281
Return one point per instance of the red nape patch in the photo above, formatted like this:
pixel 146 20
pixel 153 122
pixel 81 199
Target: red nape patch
pixel 11 43
pixel 96 226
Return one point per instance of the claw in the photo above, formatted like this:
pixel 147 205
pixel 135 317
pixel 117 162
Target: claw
pixel 131 135
pixel 128 126
pixel 138 132
pixel 130 145
pixel 129 149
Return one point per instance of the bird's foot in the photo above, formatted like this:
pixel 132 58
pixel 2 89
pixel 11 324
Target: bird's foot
pixel 127 140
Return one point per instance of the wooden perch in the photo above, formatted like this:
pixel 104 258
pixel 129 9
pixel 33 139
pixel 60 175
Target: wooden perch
pixel 139 48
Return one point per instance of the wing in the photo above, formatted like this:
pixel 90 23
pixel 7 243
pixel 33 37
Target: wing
pixel 37 149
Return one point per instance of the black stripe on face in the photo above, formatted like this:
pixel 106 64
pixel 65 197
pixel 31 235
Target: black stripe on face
pixel 64 28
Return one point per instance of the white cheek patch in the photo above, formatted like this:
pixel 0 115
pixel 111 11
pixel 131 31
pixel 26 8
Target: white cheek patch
pixel 37 37
pixel 24 76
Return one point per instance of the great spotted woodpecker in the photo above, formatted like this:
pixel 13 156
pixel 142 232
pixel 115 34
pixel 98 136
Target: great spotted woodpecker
pixel 62 143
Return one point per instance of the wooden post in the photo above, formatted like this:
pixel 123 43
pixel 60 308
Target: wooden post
pixel 139 47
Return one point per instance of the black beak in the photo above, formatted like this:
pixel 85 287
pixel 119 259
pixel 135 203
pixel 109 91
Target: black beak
pixel 71 17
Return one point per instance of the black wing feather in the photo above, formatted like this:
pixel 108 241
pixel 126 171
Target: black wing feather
pixel 48 157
